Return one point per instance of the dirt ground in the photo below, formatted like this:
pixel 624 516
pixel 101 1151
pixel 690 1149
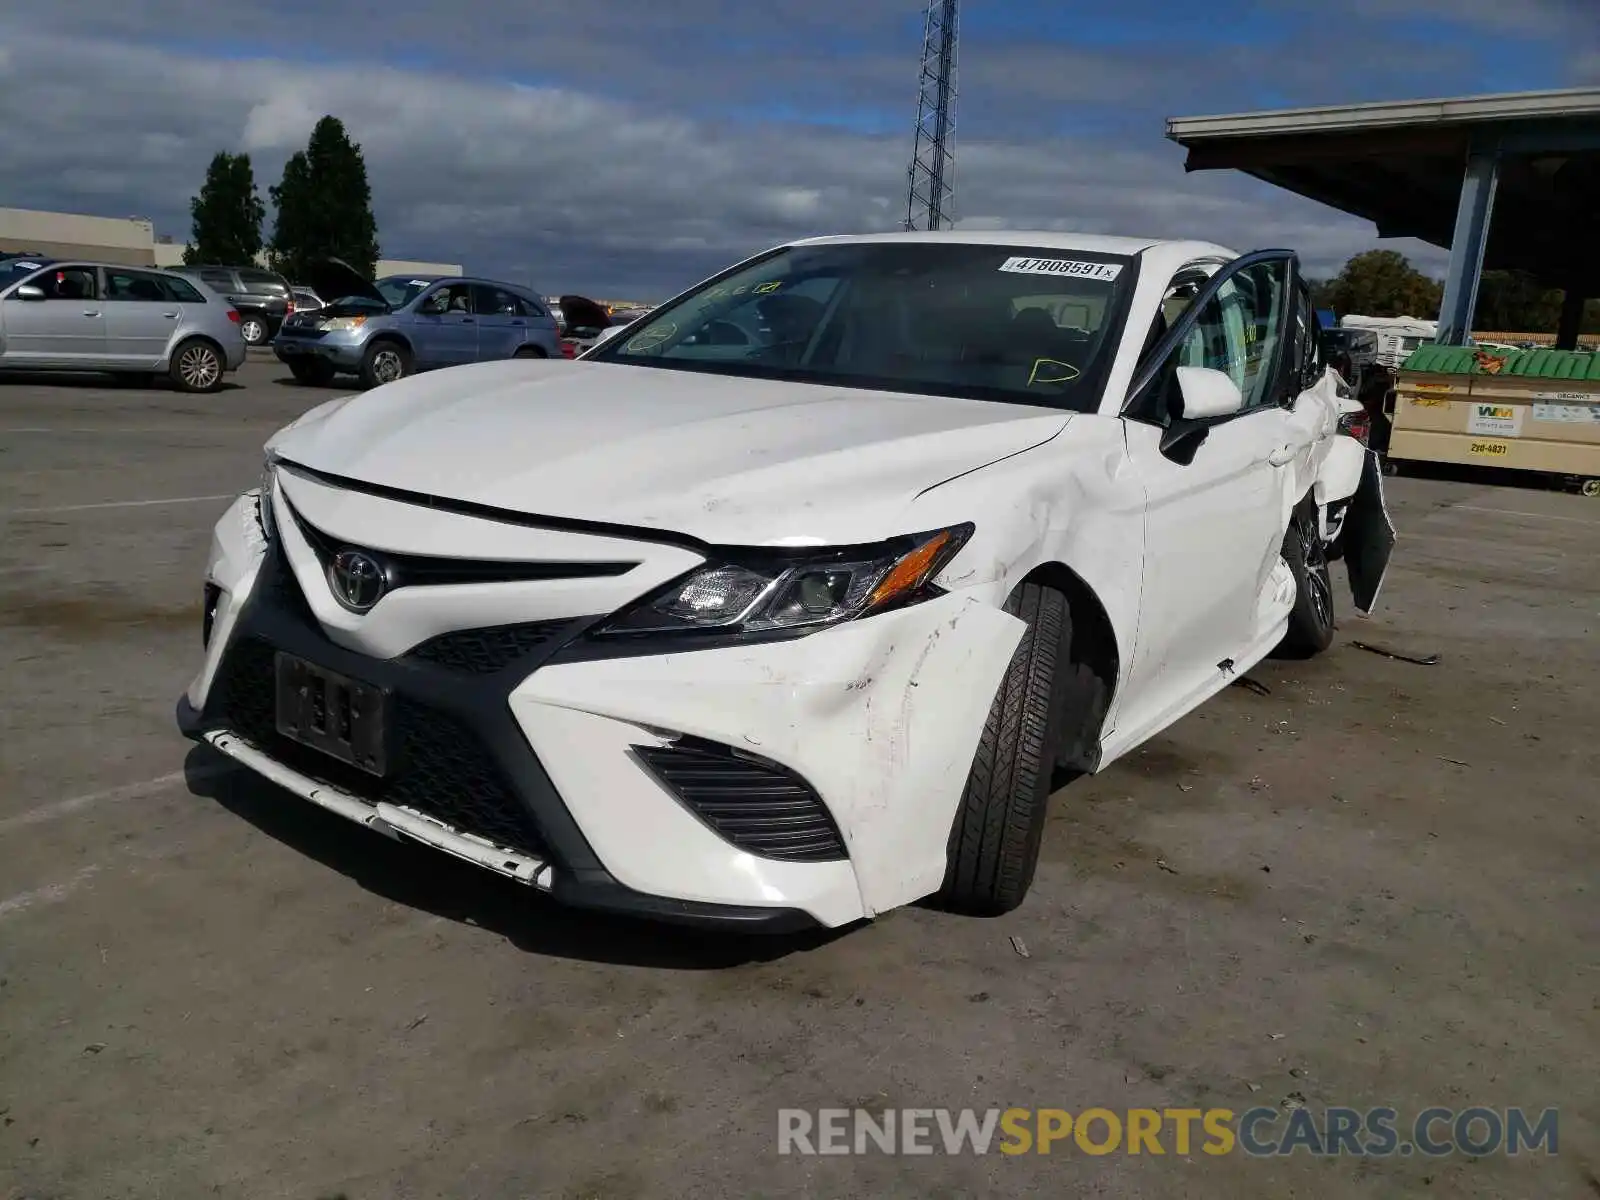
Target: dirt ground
pixel 1375 884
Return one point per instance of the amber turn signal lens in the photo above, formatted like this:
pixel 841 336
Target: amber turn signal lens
pixel 910 573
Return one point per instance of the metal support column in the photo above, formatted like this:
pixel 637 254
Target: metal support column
pixel 1571 318
pixel 1473 215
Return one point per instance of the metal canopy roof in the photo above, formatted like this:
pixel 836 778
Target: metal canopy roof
pixel 1400 165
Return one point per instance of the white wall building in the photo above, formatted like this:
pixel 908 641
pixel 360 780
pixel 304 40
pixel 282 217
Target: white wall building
pixel 131 241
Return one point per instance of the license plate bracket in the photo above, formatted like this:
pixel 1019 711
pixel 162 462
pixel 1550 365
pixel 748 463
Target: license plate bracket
pixel 342 717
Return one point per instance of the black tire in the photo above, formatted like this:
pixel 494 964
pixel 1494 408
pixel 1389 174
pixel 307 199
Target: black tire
pixel 311 371
pixel 1310 629
pixel 994 842
pixel 385 361
pixel 254 331
pixel 197 366
pixel 529 352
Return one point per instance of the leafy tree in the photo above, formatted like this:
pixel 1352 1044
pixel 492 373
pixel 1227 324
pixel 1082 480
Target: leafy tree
pixel 324 205
pixel 227 214
pixel 1383 283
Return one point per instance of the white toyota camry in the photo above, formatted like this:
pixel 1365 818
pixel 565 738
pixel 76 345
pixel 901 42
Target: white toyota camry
pixel 786 604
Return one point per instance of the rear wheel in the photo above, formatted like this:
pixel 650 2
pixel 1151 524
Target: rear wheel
pixel 311 370
pixel 529 352
pixel 197 366
pixel 994 843
pixel 254 330
pixel 1310 629
pixel 385 361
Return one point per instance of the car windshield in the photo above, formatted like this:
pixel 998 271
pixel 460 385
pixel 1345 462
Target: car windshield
pixel 400 290
pixel 1020 324
pixel 13 269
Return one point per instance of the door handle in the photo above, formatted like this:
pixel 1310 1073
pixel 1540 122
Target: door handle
pixel 1283 455
pixel 466 320
pixel 91 312
pixel 170 316
pixel 519 324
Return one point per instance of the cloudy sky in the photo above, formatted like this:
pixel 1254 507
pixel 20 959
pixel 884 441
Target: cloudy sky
pixel 631 147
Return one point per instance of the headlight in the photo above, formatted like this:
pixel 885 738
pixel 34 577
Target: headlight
pixel 767 591
pixel 343 324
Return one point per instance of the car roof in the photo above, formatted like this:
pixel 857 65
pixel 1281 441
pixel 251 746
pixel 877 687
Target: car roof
pixel 1165 252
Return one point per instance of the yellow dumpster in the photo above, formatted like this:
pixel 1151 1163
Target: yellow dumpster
pixel 1524 410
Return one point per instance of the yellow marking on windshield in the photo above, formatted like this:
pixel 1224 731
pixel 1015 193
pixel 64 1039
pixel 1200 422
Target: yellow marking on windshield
pixel 651 338
pixel 1052 370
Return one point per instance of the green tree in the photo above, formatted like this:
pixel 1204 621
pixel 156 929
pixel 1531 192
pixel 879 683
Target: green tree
pixel 227 214
pixel 1383 283
pixel 324 205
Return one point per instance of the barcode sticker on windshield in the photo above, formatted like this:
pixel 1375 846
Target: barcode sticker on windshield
pixel 1071 268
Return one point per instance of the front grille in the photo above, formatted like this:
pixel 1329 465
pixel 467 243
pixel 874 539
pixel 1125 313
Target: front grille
pixel 440 767
pixel 485 651
pixel 758 806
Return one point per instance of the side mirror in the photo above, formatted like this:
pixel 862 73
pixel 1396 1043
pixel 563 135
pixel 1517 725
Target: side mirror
pixel 28 292
pixel 1208 393
pixel 609 332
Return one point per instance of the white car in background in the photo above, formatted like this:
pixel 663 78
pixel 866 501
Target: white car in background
pixel 783 606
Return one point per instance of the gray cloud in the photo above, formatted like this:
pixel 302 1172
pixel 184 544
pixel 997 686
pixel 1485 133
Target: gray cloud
pixel 623 149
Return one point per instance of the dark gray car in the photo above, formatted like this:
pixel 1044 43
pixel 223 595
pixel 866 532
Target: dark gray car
pixel 384 330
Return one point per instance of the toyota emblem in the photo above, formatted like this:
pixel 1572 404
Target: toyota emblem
pixel 356 580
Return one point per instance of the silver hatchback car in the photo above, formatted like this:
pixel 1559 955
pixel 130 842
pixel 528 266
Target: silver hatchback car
pixel 131 321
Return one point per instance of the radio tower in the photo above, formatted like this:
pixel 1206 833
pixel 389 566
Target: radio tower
pixel 931 204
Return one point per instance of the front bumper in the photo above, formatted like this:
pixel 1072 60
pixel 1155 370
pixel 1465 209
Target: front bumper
pixel 523 749
pixel 338 352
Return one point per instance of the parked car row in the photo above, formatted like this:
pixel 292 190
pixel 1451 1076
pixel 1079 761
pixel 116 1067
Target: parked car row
pixel 195 322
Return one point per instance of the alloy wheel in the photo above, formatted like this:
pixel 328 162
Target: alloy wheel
pixel 199 367
pixel 1319 583
pixel 386 366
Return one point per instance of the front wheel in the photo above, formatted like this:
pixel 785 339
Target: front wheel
pixel 994 843
pixel 1310 629
pixel 384 362
pixel 197 366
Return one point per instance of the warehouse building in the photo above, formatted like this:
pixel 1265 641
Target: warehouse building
pixel 131 241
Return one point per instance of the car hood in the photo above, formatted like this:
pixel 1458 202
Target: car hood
pixel 727 460
pixel 579 312
pixel 334 279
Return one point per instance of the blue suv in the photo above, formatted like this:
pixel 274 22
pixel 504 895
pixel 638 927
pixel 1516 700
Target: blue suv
pixel 385 330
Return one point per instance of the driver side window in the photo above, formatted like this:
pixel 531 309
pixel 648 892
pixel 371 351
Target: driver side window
pixel 456 298
pixel 1238 332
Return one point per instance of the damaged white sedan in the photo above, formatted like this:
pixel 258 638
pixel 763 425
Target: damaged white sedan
pixel 784 605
